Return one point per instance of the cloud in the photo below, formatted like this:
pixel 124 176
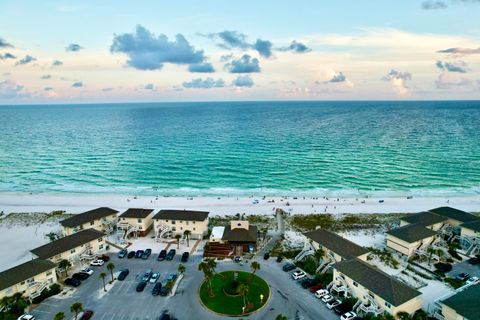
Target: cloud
pixel 57 63
pixel 296 47
pixel 447 81
pixel 73 47
pixel 246 64
pixel 146 51
pixel 234 39
pixel 4 43
pixel 460 51
pixel 434 5
pixel 399 81
pixel 338 77
pixel 201 68
pixel 451 67
pixel 263 47
pixel 7 55
pixel 149 86
pixel 47 89
pixel 207 83
pixel 243 81
pixel 10 89
pixel 77 84
pixel 46 77
pixel 25 60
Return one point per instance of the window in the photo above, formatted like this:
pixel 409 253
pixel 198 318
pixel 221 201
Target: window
pixel 22 283
pixel 355 284
pixel 166 220
pixel 100 240
pixel 72 251
pixel 388 305
pixel 100 247
pixel 180 221
pixel 139 220
pixel 173 221
pixel 174 229
pixel 181 228
pixel 193 229
pixel 49 273
pixel 92 223
pixel 186 222
pixel 31 280
pixel 193 222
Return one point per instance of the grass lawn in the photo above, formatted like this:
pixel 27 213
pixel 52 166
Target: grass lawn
pixel 232 305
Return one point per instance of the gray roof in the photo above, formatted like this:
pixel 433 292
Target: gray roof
pixel 136 213
pixel 87 216
pixel 388 288
pixel 425 218
pixel 66 243
pixel 412 232
pixel 23 272
pixel 182 215
pixel 465 303
pixel 240 234
pixel 454 214
pixel 472 225
pixel 332 241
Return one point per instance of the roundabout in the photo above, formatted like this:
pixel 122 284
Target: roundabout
pixel 234 293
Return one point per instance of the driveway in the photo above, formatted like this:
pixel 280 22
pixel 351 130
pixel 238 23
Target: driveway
pixel 122 302
pixel 465 267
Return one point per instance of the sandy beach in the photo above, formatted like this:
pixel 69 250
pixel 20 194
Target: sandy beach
pixel 10 202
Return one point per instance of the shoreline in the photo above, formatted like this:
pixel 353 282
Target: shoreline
pixel 222 205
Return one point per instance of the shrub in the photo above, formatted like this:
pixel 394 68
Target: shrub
pixel 50 291
pixel 454 254
pixel 324 278
pixel 309 265
pixel 442 267
pixel 455 283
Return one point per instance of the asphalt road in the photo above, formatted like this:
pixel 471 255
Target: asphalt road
pixel 122 302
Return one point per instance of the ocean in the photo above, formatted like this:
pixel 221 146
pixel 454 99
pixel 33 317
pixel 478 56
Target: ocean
pixel 243 148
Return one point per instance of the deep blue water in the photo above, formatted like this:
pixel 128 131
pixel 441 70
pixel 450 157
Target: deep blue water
pixel 228 148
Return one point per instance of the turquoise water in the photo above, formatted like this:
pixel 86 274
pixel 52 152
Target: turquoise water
pixel 243 148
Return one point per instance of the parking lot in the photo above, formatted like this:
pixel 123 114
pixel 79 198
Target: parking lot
pixel 122 302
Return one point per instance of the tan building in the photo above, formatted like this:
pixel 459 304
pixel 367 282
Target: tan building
pixel 29 278
pixel 461 306
pixel 409 238
pixel 377 292
pixel 83 245
pixel 178 221
pixel 470 237
pixel 136 221
pixel 101 219
pixel 335 247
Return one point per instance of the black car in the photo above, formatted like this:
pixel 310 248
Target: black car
pixel 185 256
pixel 279 259
pixel 162 255
pixel 146 254
pixel 138 254
pixel 165 316
pixel 474 261
pixel 80 276
pixel 131 254
pixel 72 282
pixel 307 283
pixel 266 256
pixel 123 274
pixel 288 267
pixel 342 308
pixel 140 286
pixel 171 254
pixel 156 289
pixel 164 291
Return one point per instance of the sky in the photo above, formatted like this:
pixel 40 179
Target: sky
pixel 216 50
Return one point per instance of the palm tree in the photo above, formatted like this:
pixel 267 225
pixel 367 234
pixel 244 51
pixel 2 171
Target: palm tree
pixel 205 268
pixel 187 234
pixel 76 308
pixel 212 264
pixel 430 252
pixel 15 303
pixel 102 276
pixel 169 285
pixel 65 265
pixel 440 254
pixel 243 290
pixel 281 317
pixel 59 316
pixel 181 268
pixel 178 237
pixel 402 315
pixel 110 268
pixel 51 236
pixel 255 266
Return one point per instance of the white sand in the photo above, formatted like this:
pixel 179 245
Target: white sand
pixel 231 205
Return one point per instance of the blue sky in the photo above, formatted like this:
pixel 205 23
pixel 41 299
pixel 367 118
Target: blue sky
pixel 216 50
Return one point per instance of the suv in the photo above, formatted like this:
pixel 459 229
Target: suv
pixel 185 256
pixel 288 267
pixel 266 256
pixel 342 308
pixel 320 293
pixel 72 282
pixel 156 289
pixel 80 276
pixel 97 263
pixel 122 253
pixel 299 274
pixel 131 254
pixel 147 275
pixel 349 316
pixel 26 317
pixel 140 286
pixel 154 277
pixel 138 254
pixel 307 283
pixel 146 254
pixel 162 255
pixel 123 274
pixel 171 254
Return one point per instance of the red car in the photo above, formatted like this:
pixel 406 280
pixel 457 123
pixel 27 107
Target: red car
pixel 87 314
pixel 104 257
pixel 315 288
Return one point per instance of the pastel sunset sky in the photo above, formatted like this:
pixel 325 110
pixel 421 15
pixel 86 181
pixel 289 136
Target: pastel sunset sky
pixel 122 51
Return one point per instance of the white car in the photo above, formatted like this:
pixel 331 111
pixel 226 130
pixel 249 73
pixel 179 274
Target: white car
pixel 472 280
pixel 327 298
pixel 333 303
pixel 97 262
pixel 348 316
pixel 26 317
pixel 87 270
pixel 298 275
pixel 320 293
pixel 154 277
